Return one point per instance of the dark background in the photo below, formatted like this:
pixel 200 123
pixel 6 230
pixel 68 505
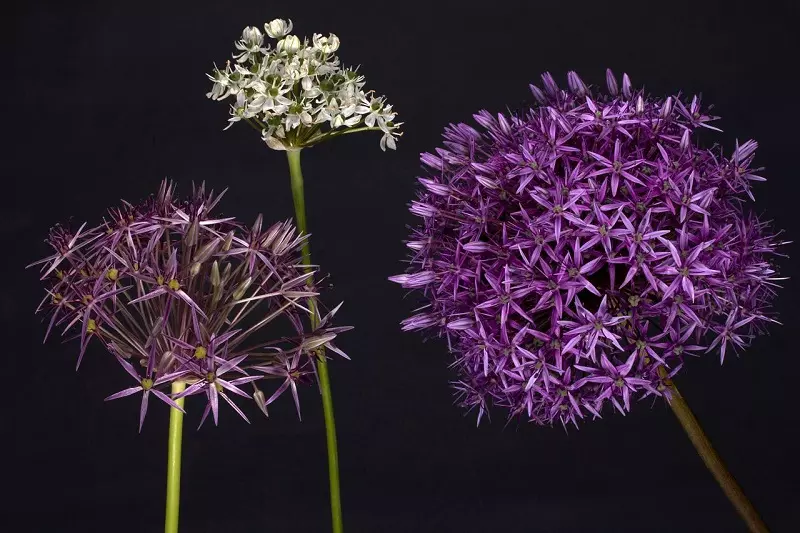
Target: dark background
pixel 104 99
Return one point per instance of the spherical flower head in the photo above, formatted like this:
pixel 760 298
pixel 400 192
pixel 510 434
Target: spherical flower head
pixel 576 254
pixel 296 93
pixel 175 293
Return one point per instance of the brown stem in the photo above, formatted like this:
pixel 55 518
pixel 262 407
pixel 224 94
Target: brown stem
pixel 703 446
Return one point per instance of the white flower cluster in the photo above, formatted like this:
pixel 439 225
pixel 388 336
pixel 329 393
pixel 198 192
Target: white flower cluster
pixel 296 93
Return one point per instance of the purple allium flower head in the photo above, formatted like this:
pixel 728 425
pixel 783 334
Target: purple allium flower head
pixel 574 255
pixel 175 293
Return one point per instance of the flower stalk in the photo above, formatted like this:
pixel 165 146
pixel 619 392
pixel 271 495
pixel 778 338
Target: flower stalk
pixel 298 197
pixel 712 460
pixel 174 460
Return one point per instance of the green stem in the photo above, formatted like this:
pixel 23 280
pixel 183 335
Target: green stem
pixel 322 365
pixel 174 461
pixel 712 461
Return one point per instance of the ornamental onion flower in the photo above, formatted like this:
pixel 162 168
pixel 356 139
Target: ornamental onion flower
pixel 576 254
pixel 175 293
pixel 296 93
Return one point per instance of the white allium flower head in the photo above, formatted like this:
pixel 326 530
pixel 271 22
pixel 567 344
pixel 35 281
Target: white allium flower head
pixel 296 93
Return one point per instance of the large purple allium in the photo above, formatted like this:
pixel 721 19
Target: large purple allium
pixel 175 293
pixel 576 254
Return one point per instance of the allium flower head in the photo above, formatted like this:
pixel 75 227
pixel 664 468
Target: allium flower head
pixel 175 293
pixel 297 93
pixel 574 255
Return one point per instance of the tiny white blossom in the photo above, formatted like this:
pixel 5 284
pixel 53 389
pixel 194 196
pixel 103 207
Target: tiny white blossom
pixel 251 42
pixel 238 110
pixel 221 88
pixel 388 141
pixel 326 45
pixel 278 28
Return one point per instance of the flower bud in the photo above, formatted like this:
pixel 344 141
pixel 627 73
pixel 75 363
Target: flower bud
pixel 460 324
pixel 289 44
pixel 326 45
pixel 550 86
pixel 215 274
pixel 666 109
pixel 538 94
pixel 611 82
pixel 261 402
pixel 477 246
pixel 626 86
pixel 278 28
pixel 252 36
pixel 576 84
pixel 240 290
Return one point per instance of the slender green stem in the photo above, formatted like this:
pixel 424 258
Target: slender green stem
pixel 174 461
pixel 322 365
pixel 713 462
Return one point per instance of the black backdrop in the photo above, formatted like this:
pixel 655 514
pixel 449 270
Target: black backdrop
pixel 104 99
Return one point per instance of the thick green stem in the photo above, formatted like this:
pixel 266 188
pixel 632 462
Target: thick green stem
pixel 322 365
pixel 174 461
pixel 713 462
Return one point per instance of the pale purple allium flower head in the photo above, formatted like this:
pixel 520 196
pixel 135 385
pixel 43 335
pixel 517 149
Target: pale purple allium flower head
pixel 575 255
pixel 175 293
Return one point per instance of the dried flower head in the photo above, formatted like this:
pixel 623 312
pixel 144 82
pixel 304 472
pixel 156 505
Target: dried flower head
pixel 175 293
pixel 576 254
pixel 296 93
